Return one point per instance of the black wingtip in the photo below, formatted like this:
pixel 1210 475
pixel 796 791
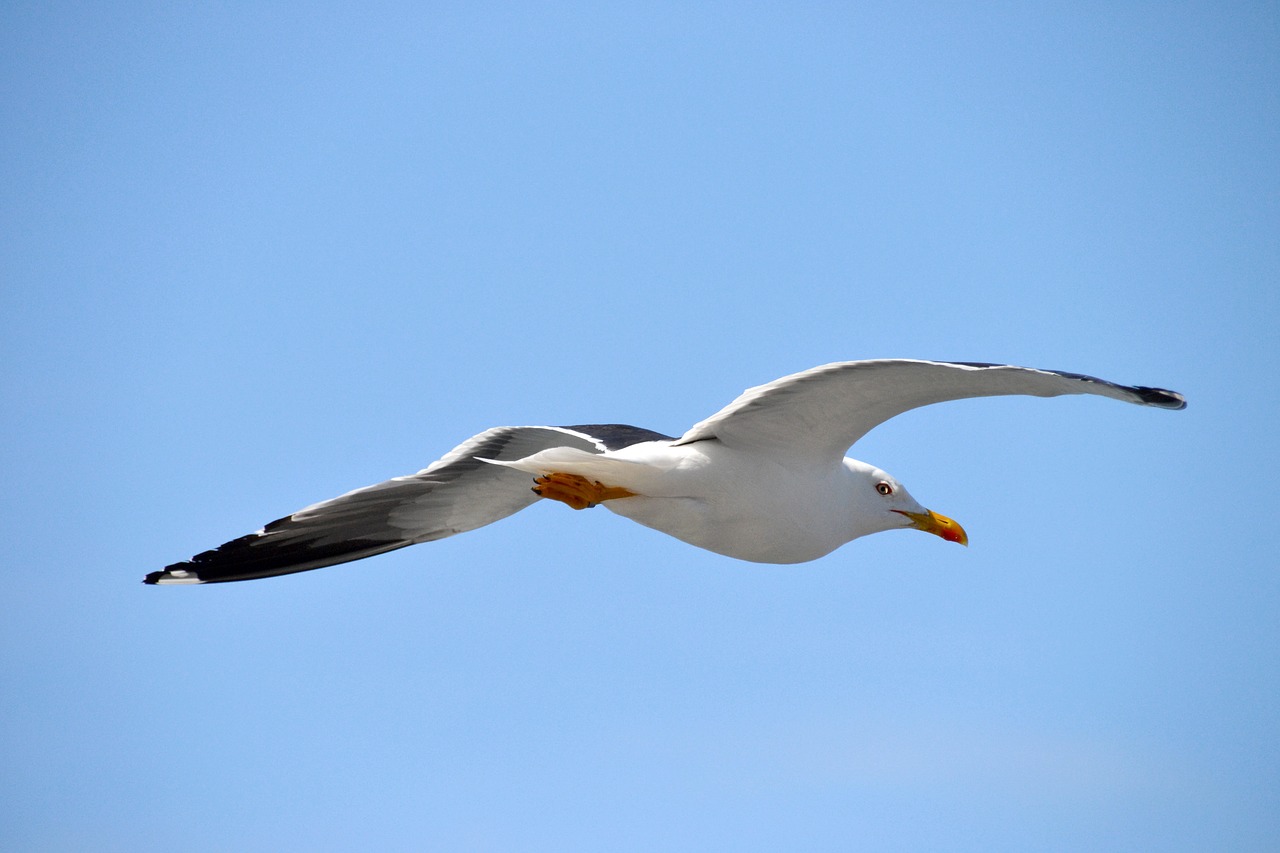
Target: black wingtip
pixel 1161 397
pixel 153 577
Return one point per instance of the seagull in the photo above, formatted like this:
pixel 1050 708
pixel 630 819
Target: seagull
pixel 764 479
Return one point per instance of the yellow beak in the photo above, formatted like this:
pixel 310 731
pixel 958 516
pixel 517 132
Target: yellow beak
pixel 939 525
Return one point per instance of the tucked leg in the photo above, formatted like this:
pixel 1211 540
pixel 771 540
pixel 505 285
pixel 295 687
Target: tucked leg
pixel 577 492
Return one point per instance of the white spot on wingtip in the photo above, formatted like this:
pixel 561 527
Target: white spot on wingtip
pixel 177 576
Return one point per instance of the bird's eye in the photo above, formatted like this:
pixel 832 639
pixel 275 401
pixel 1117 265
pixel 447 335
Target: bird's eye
pixel 884 488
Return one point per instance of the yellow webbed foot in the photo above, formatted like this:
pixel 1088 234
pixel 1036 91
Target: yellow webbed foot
pixel 578 492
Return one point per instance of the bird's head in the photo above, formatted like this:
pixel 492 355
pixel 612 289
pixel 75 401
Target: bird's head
pixel 882 503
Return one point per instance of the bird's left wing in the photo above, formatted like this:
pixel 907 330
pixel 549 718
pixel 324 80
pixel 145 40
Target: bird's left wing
pixel 457 493
pixel 822 411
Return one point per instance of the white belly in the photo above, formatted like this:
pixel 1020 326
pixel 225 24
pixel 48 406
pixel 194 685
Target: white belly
pixel 744 505
pixel 740 505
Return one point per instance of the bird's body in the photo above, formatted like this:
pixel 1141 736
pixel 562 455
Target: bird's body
pixel 765 509
pixel 760 509
pixel 764 479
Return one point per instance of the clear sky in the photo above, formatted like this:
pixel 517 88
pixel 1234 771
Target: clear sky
pixel 255 255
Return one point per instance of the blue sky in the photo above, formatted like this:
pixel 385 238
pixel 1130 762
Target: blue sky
pixel 255 255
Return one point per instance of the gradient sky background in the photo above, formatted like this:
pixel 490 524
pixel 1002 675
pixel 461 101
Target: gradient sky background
pixel 256 255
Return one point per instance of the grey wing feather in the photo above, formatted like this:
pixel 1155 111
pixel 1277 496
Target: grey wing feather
pixel 455 494
pixel 618 436
pixel 822 411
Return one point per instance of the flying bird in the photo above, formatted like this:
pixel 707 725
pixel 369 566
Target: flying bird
pixel 764 479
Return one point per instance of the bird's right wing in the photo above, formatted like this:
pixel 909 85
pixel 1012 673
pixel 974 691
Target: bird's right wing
pixel 818 413
pixel 455 494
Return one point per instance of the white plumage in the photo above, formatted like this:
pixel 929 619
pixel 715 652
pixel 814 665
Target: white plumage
pixel 764 479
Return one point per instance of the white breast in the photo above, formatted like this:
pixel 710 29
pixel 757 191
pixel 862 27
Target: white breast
pixel 746 506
